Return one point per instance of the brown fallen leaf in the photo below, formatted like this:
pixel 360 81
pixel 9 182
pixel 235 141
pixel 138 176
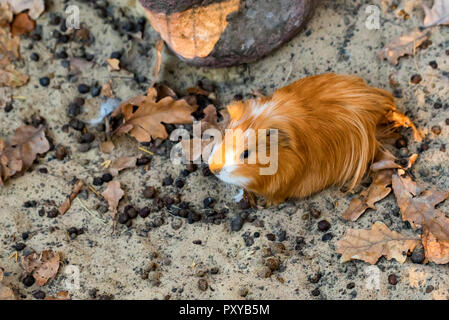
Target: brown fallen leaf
pixel 19 153
pixel 22 24
pixel 61 295
pixel 112 195
pixel 404 45
pixel 43 266
pixel 381 172
pixel 439 14
pixel 193 151
pixel 113 64
pixel 9 45
pixel 377 191
pixel 418 208
pixel 6 293
pixel 9 76
pixel 106 90
pixel 35 7
pixel 67 203
pixel 436 251
pixel 6 14
pixel 143 116
pixel 370 245
pixel 122 164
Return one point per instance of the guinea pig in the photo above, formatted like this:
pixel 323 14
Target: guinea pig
pixel 329 128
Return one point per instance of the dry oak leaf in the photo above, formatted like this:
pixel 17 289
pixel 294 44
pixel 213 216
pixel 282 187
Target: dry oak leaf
pixel 202 145
pixel 19 154
pixel 6 293
pixel 112 195
pixel 439 14
pixel 9 76
pixel 143 116
pixel 9 46
pixel 419 208
pixel 122 164
pixel 35 7
pixel 43 266
pixel 436 251
pixel 113 64
pixel 379 188
pixel 22 24
pixel 370 245
pixel 405 44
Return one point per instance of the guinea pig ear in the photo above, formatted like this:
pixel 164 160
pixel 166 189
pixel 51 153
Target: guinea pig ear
pixel 235 110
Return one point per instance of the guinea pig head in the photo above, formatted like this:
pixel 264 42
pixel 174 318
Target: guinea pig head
pixel 252 147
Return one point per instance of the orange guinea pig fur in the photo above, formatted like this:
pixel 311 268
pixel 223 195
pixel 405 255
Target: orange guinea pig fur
pixel 329 127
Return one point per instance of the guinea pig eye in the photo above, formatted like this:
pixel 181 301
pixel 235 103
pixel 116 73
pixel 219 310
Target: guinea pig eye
pixel 245 154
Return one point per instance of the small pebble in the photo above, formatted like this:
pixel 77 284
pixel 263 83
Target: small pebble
pixel 149 192
pixel 236 223
pixel 327 237
pixel 19 246
pixel 86 138
pixel 429 289
pixel 202 284
pixel 39 294
pixel 76 124
pixel 433 64
pixel 271 237
pixel 44 81
pixel 316 292
pixel 167 181
pixel 436 130
pixel 315 278
pixel 83 88
pixel 179 183
pixel 34 56
pixel 418 255
pixel 107 177
pixel 324 225
pixel 53 213
pixel 415 79
pixel 28 281
pixel 97 181
pixel 144 212
pixel 392 279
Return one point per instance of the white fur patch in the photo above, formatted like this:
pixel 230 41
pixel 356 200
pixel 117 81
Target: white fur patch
pixel 226 175
pixel 258 109
pixel 239 196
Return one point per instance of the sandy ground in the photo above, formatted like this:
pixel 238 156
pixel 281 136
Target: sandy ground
pixel 156 257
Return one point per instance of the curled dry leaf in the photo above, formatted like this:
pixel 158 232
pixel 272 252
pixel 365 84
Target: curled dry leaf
pixel 113 64
pixel 43 266
pixel 9 76
pixel 370 245
pixel 382 172
pixel 112 195
pixel 18 154
pixel 202 144
pixel 22 24
pixel 106 90
pixel 35 7
pixel 6 293
pixel 439 14
pixel 67 203
pixel 405 44
pixel 158 64
pixel 122 164
pixel 143 117
pixel 418 208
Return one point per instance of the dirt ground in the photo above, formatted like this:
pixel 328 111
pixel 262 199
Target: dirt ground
pixel 160 257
